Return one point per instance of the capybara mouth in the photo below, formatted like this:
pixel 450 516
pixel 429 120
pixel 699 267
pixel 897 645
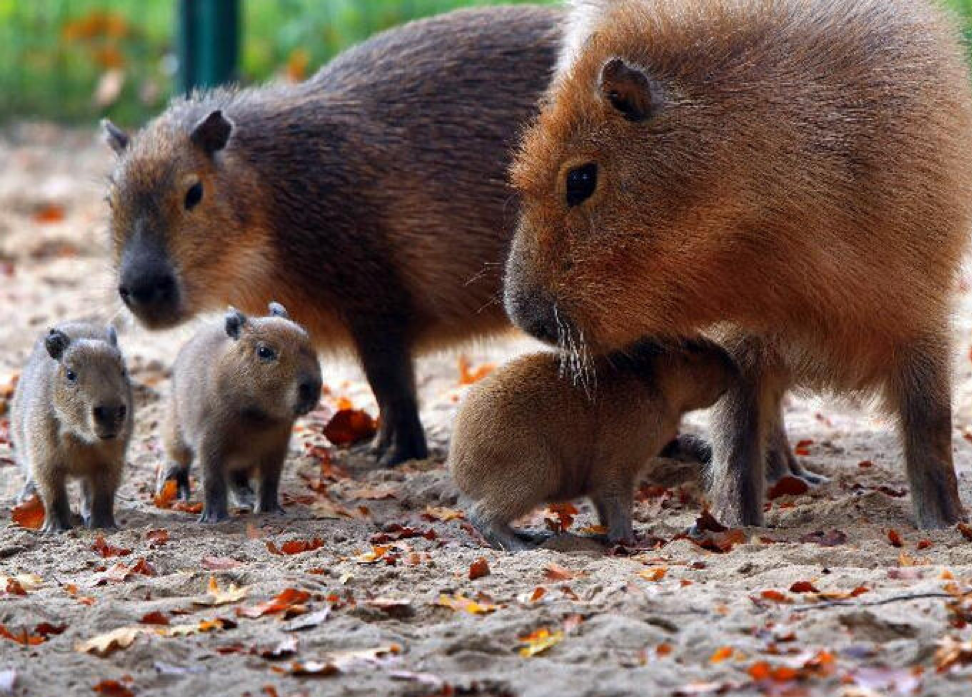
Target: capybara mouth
pixel 159 318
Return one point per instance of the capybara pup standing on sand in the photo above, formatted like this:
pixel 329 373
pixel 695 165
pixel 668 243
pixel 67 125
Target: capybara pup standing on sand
pixel 371 199
pixel 528 435
pixel 794 175
pixel 236 391
pixel 72 417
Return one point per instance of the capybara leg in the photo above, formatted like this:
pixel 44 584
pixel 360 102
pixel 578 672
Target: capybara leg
pixel 86 496
pixel 180 458
pixel 922 394
pixel 28 490
pixel 102 505
pixel 388 366
pixel 269 497
pixel 241 490
pixel 215 507
pixel 780 459
pixel 739 427
pixel 57 511
pixel 498 533
pixel 614 511
pixel 688 447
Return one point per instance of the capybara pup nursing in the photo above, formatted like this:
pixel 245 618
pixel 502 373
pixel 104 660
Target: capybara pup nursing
pixel 528 434
pixel 372 200
pixel 237 389
pixel 796 176
pixel 72 418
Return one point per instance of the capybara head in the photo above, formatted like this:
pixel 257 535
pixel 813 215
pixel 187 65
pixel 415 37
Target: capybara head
pixel 179 230
pixel 697 372
pixel 271 368
pixel 92 395
pixel 619 196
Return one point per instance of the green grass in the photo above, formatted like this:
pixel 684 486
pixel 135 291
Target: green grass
pixel 53 53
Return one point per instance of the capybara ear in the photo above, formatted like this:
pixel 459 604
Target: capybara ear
pixel 112 336
pixel 235 321
pixel 630 90
pixel 56 343
pixel 116 138
pixel 212 133
pixel 278 310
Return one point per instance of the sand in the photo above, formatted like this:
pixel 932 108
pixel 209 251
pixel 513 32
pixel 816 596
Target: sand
pixel 401 616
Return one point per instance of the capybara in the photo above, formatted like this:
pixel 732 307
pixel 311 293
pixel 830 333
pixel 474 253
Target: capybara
pixel 794 176
pixel 237 389
pixel 372 199
pixel 528 435
pixel 72 417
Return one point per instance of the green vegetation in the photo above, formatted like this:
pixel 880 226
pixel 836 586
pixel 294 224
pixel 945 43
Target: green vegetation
pixel 76 60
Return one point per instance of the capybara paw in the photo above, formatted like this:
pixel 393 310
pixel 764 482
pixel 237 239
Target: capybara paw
pixel 245 497
pixel 404 447
pixel 939 514
pixel 53 526
pixel 269 509
pixel 212 515
pixel 101 523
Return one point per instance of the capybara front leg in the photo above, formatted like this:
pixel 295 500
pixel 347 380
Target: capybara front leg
pixel 921 392
pixel 387 364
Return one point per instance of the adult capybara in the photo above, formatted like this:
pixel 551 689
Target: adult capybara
pixel 371 199
pixel 525 435
pixel 72 418
pixel 793 175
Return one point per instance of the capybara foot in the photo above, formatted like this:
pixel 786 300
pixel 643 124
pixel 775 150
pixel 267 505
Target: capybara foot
pixel 404 445
pixel 212 514
pixel 53 525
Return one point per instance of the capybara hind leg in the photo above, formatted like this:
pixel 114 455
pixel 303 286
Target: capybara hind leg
pixel 921 393
pixel 780 459
pixel 268 500
pixel 614 511
pixel 498 533
pixel 387 364
pixel 688 447
pixel 739 428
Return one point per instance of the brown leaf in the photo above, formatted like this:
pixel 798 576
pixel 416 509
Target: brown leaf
pixel 156 617
pixel 478 569
pixel 296 546
pixel 350 426
pixel 803 587
pixel 157 538
pixel 29 514
pixel 707 522
pixel 775 595
pixel 825 539
pixel 894 538
pixel 22 637
pixel 286 602
pixel 555 572
pixel 49 213
pixel 560 516
pixel 106 550
pixel 164 499
pixel 113 688
pixel 46 629
pixel 966 531
pixel 284 649
pixel 788 486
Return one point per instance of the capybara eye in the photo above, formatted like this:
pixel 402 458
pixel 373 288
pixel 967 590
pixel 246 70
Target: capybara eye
pixel 581 183
pixel 265 353
pixel 194 196
pixel 71 376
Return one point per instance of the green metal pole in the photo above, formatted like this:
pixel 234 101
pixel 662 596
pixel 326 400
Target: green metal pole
pixel 208 42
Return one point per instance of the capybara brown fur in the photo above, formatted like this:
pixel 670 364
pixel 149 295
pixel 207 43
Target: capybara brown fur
pixel 72 418
pixel 372 199
pixel 528 434
pixel 237 389
pixel 794 176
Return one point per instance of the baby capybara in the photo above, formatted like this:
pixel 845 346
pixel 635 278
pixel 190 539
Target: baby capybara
pixel 370 199
pixel 72 418
pixel 795 176
pixel 237 389
pixel 528 434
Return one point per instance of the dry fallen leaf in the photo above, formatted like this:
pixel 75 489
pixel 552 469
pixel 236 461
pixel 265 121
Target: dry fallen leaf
pixel 106 644
pixel 296 546
pixel 555 572
pixel 443 515
pixel 157 538
pixel 106 550
pixel 113 688
pixel 22 637
pixel 560 516
pixel 539 641
pixel 220 563
pixel 350 426
pixel 721 654
pixel 215 596
pixel 155 618
pixel 339 661
pixel 966 531
pixel 469 375
pixel 460 603
pixel 289 603
pixel 775 595
pixel 952 652
pixel 656 574
pixel 894 537
pixel 788 486
pixel 20 584
pixel 376 554
pixel 478 569
pixel 803 587
pixel 29 514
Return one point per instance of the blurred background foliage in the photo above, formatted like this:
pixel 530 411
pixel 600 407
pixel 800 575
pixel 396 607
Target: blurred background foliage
pixel 77 60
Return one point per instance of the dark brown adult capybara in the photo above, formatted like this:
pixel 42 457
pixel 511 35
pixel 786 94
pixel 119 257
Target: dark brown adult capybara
pixel 371 200
pixel 795 176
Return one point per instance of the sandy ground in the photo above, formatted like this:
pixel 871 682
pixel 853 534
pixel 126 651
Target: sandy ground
pixel 371 613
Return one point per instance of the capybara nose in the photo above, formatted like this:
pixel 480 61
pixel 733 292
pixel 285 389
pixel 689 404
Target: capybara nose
pixel 308 394
pixel 535 313
pixel 108 419
pixel 145 291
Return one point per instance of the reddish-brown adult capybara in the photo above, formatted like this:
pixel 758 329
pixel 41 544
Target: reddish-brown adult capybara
pixel 793 175
pixel 371 200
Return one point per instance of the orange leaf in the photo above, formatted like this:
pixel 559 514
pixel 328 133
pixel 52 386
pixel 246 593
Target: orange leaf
pixel 287 601
pixel 350 426
pixel 29 514
pixel 802 448
pixel 469 376
pixel 102 547
pixel 155 618
pixel 803 587
pixel 49 213
pixel 775 596
pixel 157 538
pixel 113 688
pixel 296 546
pixel 788 486
pixel 656 574
pixel 563 516
pixel 478 569
pixel 555 572
pixel 721 654
pixel 23 637
pixel 663 649
pixel 164 498
pixel 894 538
pixel 924 544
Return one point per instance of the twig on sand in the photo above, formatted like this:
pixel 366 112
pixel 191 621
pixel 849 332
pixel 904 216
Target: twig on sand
pixel 872 603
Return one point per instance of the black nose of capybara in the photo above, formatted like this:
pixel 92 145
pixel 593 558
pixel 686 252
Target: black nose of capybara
pixel 535 313
pixel 148 292
pixel 108 419
pixel 147 282
pixel 308 394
